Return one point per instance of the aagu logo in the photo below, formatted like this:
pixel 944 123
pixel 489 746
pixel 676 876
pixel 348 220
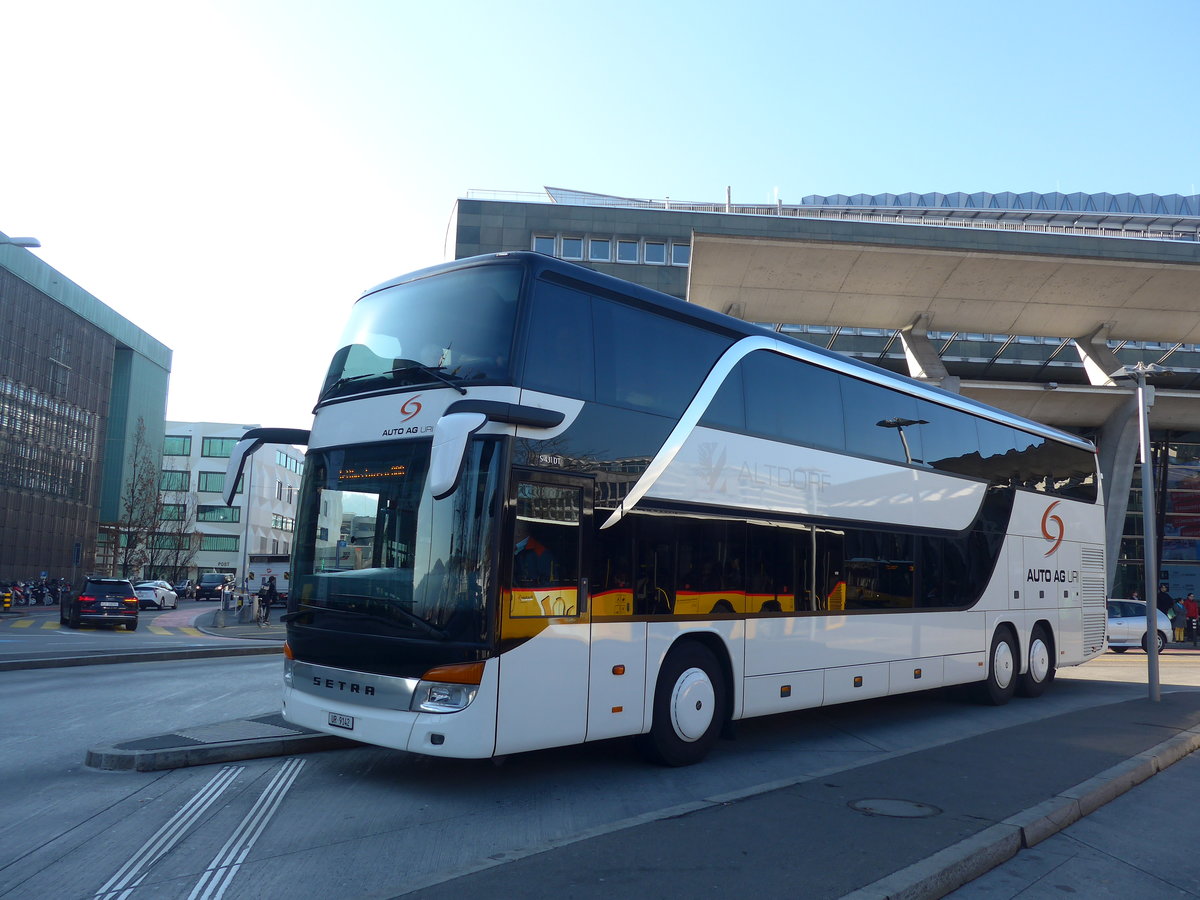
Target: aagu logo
pixel 1053 529
pixel 411 407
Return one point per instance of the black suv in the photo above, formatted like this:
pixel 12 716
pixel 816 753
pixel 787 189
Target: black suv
pixel 101 600
pixel 212 586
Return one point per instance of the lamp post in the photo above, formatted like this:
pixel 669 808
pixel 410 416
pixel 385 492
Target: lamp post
pixel 1145 394
pixel 900 424
pixel 27 242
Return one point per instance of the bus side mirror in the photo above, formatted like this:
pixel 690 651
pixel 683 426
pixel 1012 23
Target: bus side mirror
pixel 245 448
pixel 450 437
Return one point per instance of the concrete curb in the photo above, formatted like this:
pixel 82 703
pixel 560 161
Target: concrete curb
pixel 128 757
pixel 965 861
pixel 58 662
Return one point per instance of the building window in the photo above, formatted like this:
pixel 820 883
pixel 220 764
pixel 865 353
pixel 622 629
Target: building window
pixel 656 253
pixel 173 512
pixel 214 483
pixel 174 480
pixel 218 513
pixel 572 248
pixel 681 254
pixel 220 542
pixel 544 243
pixel 627 251
pixel 290 493
pixel 279 490
pixel 283 523
pixel 274 545
pixel 177 445
pixel 219 448
pixel 600 249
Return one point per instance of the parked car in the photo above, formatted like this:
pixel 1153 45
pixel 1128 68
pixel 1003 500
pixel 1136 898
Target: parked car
pixel 185 589
pixel 1127 625
pixel 100 600
pixel 156 594
pixel 212 586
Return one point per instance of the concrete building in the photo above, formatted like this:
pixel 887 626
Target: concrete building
pixel 1030 302
pixel 260 522
pixel 76 379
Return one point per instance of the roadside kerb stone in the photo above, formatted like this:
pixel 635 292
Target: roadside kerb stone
pixel 224 742
pixel 126 656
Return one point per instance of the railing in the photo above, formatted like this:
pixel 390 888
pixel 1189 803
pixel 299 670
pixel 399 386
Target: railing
pixel 849 215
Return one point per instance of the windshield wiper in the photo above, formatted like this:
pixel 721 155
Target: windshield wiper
pixel 411 618
pixel 433 372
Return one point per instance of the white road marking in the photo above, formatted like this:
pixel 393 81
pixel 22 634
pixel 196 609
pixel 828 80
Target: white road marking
pixel 221 871
pixel 130 875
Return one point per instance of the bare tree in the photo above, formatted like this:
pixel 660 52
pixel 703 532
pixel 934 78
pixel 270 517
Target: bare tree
pixel 175 543
pixel 141 503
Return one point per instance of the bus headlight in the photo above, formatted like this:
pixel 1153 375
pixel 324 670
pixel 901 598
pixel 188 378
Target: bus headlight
pixel 437 697
pixel 447 689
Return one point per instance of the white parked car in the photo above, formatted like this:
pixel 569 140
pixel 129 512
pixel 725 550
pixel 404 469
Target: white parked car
pixel 158 594
pixel 1127 625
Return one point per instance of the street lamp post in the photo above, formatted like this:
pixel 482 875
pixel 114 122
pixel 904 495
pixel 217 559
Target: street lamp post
pixel 1145 395
pixel 900 423
pixel 27 242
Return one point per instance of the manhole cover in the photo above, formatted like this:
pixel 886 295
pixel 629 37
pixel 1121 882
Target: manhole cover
pixel 897 809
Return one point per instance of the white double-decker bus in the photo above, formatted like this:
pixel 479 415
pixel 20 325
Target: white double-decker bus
pixel 544 506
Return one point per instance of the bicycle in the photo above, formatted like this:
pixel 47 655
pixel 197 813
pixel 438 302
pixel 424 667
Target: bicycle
pixel 262 612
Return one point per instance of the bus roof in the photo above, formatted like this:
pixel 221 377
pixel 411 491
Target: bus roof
pixel 539 264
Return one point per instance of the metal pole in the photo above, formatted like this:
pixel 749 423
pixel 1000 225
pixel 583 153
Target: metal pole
pixel 1150 555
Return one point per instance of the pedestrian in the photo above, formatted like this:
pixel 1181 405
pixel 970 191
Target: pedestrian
pixel 1191 609
pixel 1164 601
pixel 1179 621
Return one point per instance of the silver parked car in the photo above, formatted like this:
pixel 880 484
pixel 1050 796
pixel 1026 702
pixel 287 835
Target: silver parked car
pixel 1127 625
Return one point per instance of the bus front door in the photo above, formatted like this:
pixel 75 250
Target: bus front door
pixel 544 617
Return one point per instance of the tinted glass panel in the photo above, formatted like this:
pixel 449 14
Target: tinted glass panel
pixel 544 244
pixel 627 251
pixel 559 357
pixel 998 453
pixel 459 323
pixel 645 361
pixel 656 252
pixel 572 248
pixel 681 254
pixel 949 440
pixel 728 408
pixel 880 422
pixel 792 400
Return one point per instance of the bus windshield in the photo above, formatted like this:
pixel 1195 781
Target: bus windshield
pixel 456 327
pixel 376 554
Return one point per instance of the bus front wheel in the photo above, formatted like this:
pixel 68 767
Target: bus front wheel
pixel 1001 681
pixel 690 707
pixel 1040 671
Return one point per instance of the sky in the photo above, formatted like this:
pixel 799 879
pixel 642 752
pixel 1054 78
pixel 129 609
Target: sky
pixel 230 175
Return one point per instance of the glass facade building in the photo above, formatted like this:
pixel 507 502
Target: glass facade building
pixel 75 381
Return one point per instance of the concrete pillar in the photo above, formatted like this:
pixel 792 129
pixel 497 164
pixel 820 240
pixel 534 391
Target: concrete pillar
pixel 923 360
pixel 1117 445
pixel 1098 361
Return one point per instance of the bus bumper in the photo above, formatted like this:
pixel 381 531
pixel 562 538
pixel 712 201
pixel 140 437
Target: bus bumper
pixel 361 707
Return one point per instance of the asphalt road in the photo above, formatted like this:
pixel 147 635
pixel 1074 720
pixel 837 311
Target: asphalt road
pixel 771 813
pixel 367 822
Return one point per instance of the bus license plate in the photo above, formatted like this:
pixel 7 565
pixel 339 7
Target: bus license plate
pixel 340 721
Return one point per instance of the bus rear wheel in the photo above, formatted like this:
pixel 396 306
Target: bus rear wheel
pixel 690 707
pixel 1040 670
pixel 997 689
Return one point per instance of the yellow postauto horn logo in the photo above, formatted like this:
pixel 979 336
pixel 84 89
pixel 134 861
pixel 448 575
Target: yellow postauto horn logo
pixel 1059 529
